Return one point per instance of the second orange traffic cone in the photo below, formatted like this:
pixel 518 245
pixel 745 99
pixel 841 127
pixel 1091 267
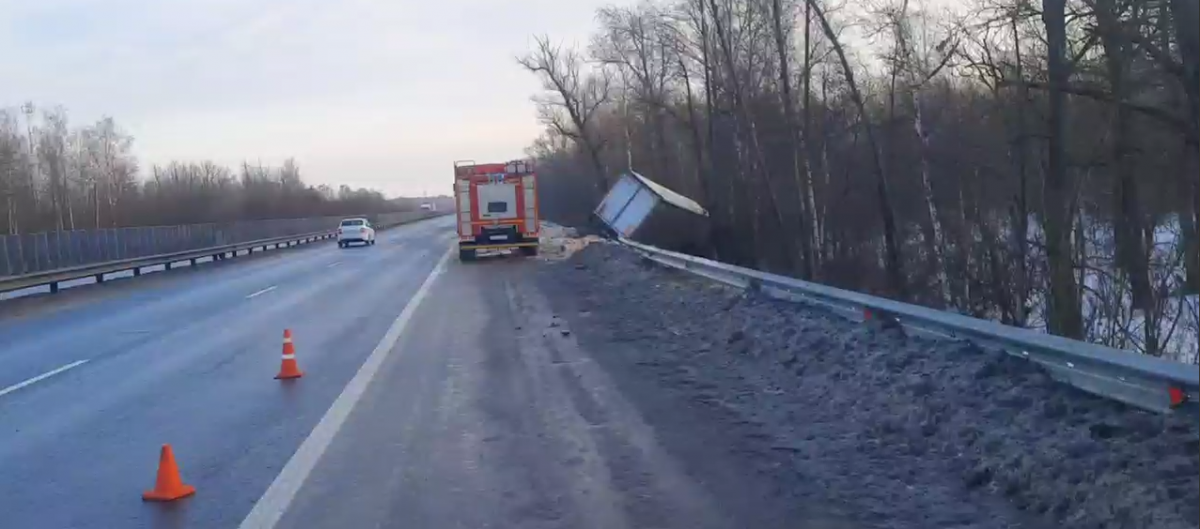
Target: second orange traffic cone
pixel 289 368
pixel 168 485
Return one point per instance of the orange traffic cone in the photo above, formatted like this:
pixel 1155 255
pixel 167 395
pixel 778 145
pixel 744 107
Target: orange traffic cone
pixel 289 368
pixel 169 486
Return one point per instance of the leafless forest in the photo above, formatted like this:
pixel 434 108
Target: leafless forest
pixel 1030 162
pixel 57 177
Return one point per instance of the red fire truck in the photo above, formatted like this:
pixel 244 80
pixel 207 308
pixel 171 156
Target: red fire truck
pixel 497 207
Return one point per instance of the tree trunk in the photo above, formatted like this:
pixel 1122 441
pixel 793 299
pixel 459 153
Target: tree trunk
pixel 697 140
pixel 805 136
pixel 1186 18
pixel 702 171
pixel 1185 15
pixel 1128 225
pixel 748 129
pixel 626 122
pixel 894 266
pixel 1065 317
pixel 825 167
pixel 719 218
pixel 1020 231
pixel 800 165
pixel 939 239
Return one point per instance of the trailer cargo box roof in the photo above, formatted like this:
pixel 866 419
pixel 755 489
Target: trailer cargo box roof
pixel 671 197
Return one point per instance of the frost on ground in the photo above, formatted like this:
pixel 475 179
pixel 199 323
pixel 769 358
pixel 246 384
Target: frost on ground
pixel 885 430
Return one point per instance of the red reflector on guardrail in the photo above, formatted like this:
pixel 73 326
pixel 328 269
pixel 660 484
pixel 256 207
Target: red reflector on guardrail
pixel 1177 396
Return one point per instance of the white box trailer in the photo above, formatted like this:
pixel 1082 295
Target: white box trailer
pixel 641 209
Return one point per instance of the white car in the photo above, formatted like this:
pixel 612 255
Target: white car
pixel 355 230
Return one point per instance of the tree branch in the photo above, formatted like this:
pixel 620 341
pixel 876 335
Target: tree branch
pixel 1155 113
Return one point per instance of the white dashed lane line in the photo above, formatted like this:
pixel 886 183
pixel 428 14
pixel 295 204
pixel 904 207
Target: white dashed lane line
pixel 41 377
pixel 261 292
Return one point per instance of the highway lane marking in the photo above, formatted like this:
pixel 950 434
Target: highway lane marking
pixel 333 264
pixel 41 377
pixel 263 291
pixel 271 507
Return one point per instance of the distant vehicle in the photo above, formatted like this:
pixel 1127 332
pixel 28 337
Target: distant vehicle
pixel 355 230
pixel 497 207
pixel 428 206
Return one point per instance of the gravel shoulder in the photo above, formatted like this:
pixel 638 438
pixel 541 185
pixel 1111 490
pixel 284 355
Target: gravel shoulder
pixel 798 418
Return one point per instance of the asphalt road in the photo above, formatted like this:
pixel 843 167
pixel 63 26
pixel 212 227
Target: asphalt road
pixel 489 414
pixel 436 394
pixel 188 358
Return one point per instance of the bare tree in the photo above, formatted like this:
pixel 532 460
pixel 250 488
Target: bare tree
pixel 913 69
pixel 1065 317
pixel 572 91
pixel 984 167
pixel 892 258
pixel 800 164
pixel 92 180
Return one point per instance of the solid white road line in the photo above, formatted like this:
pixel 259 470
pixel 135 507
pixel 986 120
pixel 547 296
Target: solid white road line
pixel 275 501
pixel 333 264
pixel 41 377
pixel 263 291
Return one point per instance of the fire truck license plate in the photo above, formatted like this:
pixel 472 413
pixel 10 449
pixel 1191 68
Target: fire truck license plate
pixel 498 237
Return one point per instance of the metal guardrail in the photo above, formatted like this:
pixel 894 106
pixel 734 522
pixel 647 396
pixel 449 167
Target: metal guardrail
pixel 47 251
pixel 1146 382
pixel 325 229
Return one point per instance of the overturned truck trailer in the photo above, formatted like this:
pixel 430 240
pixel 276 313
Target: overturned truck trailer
pixel 643 210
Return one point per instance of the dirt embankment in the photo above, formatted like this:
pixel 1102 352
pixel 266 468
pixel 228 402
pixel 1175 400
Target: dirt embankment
pixel 879 429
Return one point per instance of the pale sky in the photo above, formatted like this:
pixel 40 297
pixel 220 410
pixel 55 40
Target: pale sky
pixel 371 93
